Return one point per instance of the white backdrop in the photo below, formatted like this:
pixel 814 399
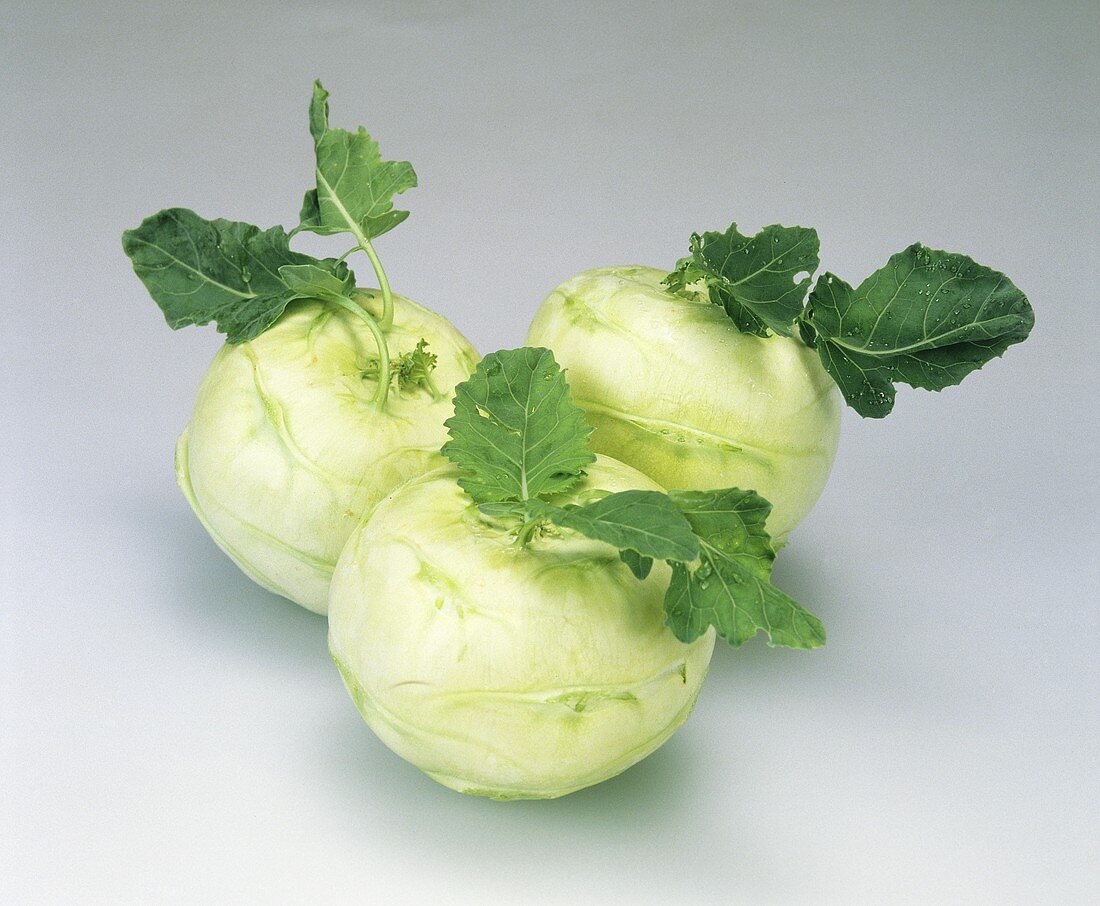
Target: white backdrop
pixel 171 733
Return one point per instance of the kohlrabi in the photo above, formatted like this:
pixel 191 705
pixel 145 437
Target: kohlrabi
pixel 534 619
pixel 725 372
pixel 325 396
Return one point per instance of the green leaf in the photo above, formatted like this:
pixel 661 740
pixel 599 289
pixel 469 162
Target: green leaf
pixel 509 509
pixel 318 111
pixel 200 271
pixel 682 276
pixel 730 587
pixel 928 319
pixel 645 522
pixel 318 281
pixel 516 434
pixel 355 186
pixel 755 278
pixel 638 564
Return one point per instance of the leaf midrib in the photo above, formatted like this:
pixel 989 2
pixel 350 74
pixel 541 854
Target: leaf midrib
pixel 356 231
pixel 941 340
pixel 203 275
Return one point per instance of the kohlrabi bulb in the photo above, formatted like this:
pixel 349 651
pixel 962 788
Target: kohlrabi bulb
pixel 503 670
pixel 286 451
pixel 675 390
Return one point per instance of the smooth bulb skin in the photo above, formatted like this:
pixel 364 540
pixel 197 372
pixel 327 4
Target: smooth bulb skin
pixel 675 390
pixel 506 671
pixel 286 451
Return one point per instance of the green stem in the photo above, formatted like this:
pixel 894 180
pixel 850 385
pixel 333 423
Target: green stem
pixel 386 321
pixel 354 248
pixel 383 390
pixel 527 532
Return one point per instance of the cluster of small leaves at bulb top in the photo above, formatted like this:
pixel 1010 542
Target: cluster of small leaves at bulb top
pixel 927 318
pixel 411 370
pixel 243 277
pixel 518 441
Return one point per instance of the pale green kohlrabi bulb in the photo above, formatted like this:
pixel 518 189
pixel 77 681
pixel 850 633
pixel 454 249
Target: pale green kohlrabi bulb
pixel 286 451
pixel 506 671
pixel 675 390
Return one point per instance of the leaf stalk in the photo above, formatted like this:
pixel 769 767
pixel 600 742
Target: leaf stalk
pixel 382 393
pixel 527 531
pixel 386 321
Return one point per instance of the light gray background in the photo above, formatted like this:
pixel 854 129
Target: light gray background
pixel 170 732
